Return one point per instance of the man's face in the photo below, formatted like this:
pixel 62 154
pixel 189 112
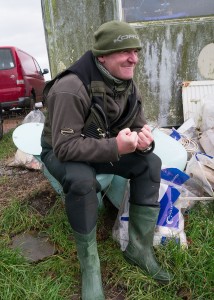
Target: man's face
pixel 120 64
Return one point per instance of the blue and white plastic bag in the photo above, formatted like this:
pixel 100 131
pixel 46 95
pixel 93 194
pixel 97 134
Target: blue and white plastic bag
pixel 170 223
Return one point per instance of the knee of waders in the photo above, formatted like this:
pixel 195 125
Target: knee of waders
pixel 154 168
pixel 83 187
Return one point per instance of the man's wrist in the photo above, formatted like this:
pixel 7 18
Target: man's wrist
pixel 147 150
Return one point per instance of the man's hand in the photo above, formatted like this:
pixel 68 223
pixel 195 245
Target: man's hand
pixel 127 141
pixel 145 138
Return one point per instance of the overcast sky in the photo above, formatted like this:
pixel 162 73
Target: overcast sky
pixel 21 26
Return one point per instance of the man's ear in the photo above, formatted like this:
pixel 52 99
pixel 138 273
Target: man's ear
pixel 101 59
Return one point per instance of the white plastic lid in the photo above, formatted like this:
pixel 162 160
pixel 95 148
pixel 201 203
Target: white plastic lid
pixel 27 138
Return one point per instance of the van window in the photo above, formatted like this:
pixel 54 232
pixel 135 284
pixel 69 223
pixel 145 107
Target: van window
pixel 6 59
pixel 27 63
pixel 37 66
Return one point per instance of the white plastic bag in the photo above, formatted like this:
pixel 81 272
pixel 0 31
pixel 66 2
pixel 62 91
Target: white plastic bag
pixel 120 228
pixel 207 141
pixel 170 223
pixel 21 158
pixel 163 233
pixel 201 169
pixel 35 116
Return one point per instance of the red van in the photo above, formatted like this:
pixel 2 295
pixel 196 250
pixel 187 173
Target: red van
pixel 21 79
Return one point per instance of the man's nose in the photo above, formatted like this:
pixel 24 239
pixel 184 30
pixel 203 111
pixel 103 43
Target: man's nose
pixel 133 56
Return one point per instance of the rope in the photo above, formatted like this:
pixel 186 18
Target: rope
pixel 190 144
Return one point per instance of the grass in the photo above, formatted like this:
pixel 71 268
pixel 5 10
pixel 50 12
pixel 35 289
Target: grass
pixel 19 280
pixel 58 277
pixel 7 147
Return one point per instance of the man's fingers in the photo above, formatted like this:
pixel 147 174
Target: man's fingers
pixel 127 141
pixel 147 127
pixel 126 131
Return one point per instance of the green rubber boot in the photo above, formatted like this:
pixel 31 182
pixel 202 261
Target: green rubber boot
pixel 140 252
pixel 90 265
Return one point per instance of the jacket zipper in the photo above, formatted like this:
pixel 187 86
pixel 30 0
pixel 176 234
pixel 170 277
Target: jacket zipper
pixel 104 117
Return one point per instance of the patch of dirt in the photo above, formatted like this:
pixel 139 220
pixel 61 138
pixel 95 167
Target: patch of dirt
pixel 104 231
pixel 11 123
pixel 25 184
pixel 12 119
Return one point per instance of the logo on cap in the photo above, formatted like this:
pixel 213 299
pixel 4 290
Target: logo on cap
pixel 120 38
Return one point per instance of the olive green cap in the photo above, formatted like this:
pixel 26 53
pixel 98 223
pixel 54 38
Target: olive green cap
pixel 115 36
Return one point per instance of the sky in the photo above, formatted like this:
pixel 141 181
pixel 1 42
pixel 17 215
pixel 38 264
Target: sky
pixel 21 25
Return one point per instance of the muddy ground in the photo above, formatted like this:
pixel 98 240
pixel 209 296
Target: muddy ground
pixel 12 119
